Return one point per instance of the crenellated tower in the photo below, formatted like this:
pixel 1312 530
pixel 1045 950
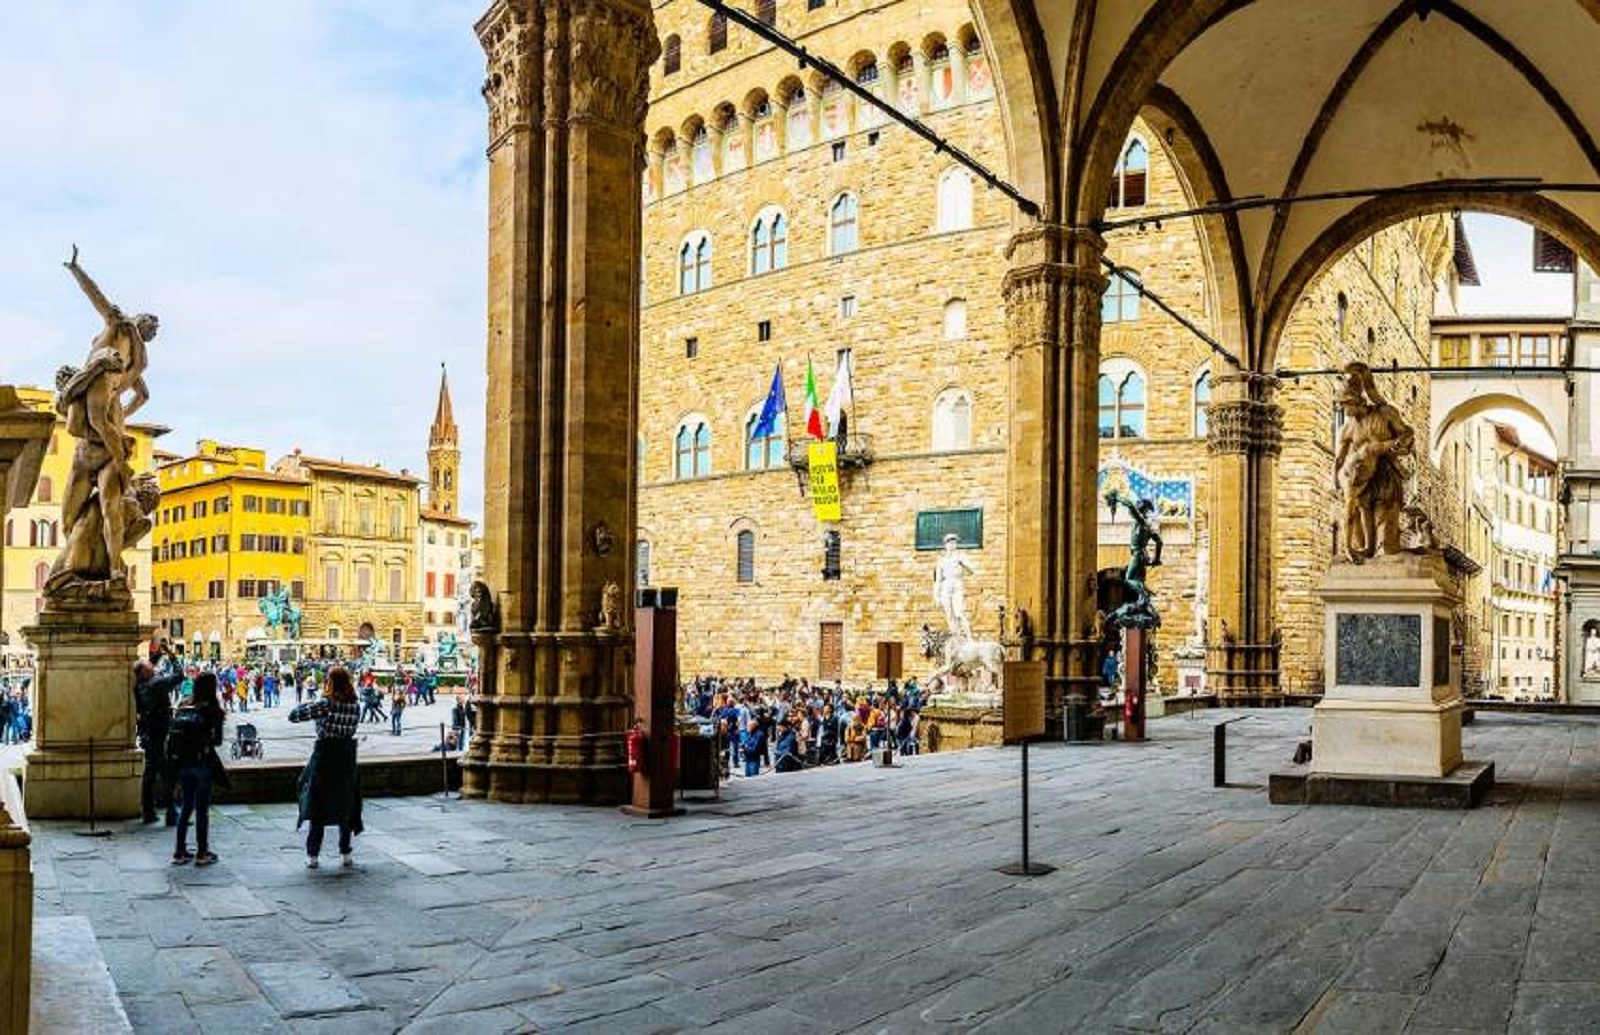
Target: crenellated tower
pixel 444 453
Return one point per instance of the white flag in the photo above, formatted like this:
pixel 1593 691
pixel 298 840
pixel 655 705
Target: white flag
pixel 840 395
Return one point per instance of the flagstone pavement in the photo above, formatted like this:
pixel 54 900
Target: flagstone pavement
pixel 861 899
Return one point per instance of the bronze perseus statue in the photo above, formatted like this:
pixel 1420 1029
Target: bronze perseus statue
pixel 104 511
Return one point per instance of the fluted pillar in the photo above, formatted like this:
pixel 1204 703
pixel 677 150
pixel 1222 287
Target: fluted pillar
pixel 1052 295
pixel 1244 438
pixel 566 88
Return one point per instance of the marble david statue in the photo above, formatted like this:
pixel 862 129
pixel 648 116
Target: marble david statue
pixel 950 572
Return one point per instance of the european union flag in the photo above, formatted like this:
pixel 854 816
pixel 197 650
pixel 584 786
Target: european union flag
pixel 767 423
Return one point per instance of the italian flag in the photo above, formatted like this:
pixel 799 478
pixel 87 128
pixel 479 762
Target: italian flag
pixel 813 414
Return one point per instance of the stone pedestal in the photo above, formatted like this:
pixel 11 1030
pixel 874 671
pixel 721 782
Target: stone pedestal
pixel 83 691
pixel 16 909
pixel 1388 730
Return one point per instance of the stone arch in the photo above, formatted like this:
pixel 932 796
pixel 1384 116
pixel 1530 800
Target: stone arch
pixel 1381 213
pixel 1457 408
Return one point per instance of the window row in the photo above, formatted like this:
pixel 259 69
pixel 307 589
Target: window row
pixel 333 589
pixel 1122 401
pixel 1501 350
pixel 432 581
pixel 42 532
pixel 799 114
pixel 744 557
pixel 951 430
pixel 248 543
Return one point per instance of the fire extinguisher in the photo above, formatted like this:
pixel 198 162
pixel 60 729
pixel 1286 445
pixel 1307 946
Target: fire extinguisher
pixel 635 745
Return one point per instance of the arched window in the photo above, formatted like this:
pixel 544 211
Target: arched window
pixel 952 420
pixel 671 55
pixel 718 33
pixel 764 452
pixel 843 225
pixel 745 563
pixel 1202 401
pixel 955 200
pixel 41 574
pixel 1120 303
pixel 769 242
pixel 955 319
pixel 45 491
pixel 693 449
pixel 1128 180
pixel 867 74
pixel 1121 391
pixel 694 264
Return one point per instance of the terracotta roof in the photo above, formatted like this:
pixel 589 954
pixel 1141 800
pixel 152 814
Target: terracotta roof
pixel 360 470
pixel 446 519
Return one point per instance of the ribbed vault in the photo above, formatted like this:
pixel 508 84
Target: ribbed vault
pixel 1287 98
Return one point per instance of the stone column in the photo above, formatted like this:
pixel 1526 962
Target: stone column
pixel 1244 440
pixel 567 88
pixel 1052 296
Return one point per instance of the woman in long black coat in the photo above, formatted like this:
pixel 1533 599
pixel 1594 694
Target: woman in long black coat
pixel 330 784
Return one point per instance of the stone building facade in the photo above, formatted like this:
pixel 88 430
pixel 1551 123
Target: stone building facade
pixel 362 561
pixel 229 532
pixel 785 223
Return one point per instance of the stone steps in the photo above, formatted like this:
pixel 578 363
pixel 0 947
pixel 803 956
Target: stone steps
pixel 72 989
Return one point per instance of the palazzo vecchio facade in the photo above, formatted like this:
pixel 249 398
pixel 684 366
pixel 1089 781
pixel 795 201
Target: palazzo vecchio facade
pixel 784 222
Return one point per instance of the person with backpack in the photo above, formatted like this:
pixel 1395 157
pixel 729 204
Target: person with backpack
pixel 397 705
pixel 152 702
pixel 330 785
pixel 192 739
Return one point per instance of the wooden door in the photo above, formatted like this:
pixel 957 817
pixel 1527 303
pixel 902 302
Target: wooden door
pixel 830 651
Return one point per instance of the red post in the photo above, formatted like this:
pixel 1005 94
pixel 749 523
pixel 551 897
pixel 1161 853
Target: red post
pixel 1135 680
pixel 655 691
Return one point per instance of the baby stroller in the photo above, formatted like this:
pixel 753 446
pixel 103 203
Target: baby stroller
pixel 246 742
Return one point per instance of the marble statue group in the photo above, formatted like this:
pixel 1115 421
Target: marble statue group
pixel 976 663
pixel 105 509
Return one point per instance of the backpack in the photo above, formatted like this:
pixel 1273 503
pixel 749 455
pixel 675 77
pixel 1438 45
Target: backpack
pixel 188 738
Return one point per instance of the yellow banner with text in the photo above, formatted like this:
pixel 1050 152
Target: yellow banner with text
pixel 824 464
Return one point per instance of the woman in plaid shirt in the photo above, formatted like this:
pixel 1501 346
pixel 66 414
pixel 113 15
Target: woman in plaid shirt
pixel 330 784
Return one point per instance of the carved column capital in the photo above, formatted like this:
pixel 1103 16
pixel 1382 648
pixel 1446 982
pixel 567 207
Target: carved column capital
pixel 1248 422
pixel 510 33
pixel 614 44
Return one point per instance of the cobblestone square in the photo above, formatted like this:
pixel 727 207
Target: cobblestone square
pixel 861 899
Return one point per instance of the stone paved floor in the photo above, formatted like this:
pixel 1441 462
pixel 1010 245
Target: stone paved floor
pixel 855 899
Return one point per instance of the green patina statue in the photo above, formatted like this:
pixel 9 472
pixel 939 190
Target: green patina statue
pixel 1140 612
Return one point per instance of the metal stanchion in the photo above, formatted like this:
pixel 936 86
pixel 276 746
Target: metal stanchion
pixel 444 794
pixel 94 828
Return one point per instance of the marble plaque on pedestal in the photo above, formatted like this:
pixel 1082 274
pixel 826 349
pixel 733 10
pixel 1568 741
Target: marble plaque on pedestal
pixel 1378 649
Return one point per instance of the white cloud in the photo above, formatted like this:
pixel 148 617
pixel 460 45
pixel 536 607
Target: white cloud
pixel 297 188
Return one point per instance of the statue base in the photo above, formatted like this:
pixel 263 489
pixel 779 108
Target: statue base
pixel 83 701
pixel 1392 710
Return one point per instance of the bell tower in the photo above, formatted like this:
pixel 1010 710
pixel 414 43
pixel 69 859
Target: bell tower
pixel 444 453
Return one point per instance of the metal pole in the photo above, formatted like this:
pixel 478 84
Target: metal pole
pixel 444 764
pixel 94 829
pixel 1219 755
pixel 1025 867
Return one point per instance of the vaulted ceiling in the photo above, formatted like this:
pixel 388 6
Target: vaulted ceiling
pixel 1291 97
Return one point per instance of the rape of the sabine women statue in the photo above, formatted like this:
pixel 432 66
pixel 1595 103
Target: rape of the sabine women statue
pixel 1373 446
pixel 105 509
pixel 1140 612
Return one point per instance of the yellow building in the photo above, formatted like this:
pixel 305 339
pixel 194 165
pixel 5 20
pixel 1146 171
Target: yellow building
pixel 363 549
pixel 33 533
pixel 229 531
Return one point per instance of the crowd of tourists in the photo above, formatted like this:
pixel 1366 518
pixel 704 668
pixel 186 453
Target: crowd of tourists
pixel 796 725
pixel 16 715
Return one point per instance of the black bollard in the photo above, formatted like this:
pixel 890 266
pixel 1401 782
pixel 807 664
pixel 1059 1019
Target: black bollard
pixel 1219 755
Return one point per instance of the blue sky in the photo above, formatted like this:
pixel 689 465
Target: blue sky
pixel 297 188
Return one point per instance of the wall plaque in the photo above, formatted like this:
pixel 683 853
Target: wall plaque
pixel 1378 650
